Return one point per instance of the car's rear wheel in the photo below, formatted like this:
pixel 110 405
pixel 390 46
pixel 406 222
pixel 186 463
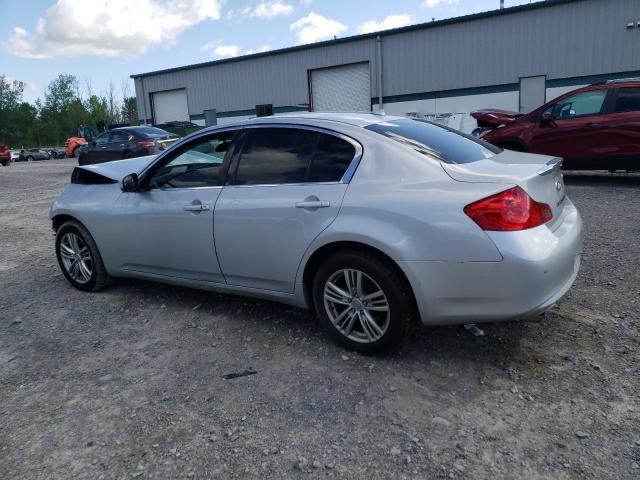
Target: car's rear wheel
pixel 79 258
pixel 363 301
pixel 29 159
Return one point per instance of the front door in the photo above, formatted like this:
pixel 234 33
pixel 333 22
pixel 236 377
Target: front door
pixel 96 150
pixel 166 230
pixel 574 129
pixel 285 187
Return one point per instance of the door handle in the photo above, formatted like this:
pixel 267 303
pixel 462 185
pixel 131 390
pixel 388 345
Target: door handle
pixel 313 204
pixel 593 125
pixel 196 207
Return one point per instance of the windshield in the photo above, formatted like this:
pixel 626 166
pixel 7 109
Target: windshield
pixel 435 141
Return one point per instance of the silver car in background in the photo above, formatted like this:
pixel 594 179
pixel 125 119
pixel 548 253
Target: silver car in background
pixel 372 220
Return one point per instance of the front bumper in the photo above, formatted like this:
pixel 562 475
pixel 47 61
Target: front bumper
pixel 538 267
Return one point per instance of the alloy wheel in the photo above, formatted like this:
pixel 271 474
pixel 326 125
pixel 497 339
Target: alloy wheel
pixel 356 305
pixel 76 257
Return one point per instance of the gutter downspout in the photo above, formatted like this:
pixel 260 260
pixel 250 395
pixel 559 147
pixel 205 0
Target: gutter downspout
pixel 144 100
pixel 379 63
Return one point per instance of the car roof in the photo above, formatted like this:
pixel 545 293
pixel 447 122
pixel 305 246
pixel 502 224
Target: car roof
pixel 351 118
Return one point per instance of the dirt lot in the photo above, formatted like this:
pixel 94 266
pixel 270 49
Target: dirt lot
pixel 128 382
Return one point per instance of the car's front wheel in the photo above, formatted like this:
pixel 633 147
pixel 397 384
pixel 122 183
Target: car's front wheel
pixel 363 301
pixel 79 258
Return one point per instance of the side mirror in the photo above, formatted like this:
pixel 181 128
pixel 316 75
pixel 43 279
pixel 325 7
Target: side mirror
pixel 130 183
pixel 547 120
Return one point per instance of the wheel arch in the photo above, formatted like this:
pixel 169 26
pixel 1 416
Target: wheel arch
pixel 324 251
pixel 62 218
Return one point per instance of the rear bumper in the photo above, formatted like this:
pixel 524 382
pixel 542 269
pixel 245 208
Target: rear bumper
pixel 538 267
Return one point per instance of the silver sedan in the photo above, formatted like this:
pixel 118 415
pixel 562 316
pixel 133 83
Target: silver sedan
pixel 372 220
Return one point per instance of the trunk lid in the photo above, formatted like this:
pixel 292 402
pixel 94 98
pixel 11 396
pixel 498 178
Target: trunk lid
pixel 494 117
pixel 539 175
pixel 165 142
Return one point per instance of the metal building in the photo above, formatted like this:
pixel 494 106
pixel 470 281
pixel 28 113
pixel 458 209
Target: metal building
pixel 514 58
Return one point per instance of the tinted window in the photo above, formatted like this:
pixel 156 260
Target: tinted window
pixel 276 155
pixel 198 164
pixel 103 138
pixel 580 104
pixel 332 158
pixel 435 141
pixel 119 137
pixel 628 100
pixel 150 132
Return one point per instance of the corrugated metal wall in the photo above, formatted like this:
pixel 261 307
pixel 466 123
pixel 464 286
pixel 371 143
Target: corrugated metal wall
pixel 279 79
pixel 565 40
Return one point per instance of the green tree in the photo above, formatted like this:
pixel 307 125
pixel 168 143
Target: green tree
pixel 130 110
pixel 61 111
pixel 17 118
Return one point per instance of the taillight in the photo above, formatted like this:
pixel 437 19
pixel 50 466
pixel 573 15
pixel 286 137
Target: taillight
pixel 146 143
pixel 507 211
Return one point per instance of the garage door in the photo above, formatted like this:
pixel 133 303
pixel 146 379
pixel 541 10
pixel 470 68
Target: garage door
pixel 346 88
pixel 170 106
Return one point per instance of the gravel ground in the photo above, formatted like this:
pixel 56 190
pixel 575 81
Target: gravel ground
pixel 129 383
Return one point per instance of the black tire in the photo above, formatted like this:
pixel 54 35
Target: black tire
pixel 128 155
pixel 99 278
pixel 402 309
pixel 6 163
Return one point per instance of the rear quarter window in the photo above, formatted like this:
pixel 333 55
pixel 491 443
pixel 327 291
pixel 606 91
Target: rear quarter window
pixel 436 141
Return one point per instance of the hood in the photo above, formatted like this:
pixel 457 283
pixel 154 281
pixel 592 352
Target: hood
pixel 119 169
pixel 494 117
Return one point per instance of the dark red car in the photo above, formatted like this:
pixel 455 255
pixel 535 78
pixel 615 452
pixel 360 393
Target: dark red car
pixel 595 127
pixel 5 155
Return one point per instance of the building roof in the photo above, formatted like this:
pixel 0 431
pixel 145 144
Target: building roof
pixel 421 26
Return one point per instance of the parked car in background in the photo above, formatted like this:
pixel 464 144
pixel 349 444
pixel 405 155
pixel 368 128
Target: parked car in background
pixel 126 142
pixel 595 127
pixel 56 153
pixel 32 154
pixel 372 220
pixel 15 155
pixel 5 155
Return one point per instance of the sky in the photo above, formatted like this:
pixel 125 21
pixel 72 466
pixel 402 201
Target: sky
pixel 106 41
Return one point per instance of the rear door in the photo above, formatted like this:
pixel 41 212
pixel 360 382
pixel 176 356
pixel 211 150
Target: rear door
pixel 285 187
pixel 620 148
pixel 574 133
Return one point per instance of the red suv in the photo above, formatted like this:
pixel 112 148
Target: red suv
pixel 595 127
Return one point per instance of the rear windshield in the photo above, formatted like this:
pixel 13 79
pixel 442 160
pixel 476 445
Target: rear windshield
pixel 151 132
pixel 436 141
